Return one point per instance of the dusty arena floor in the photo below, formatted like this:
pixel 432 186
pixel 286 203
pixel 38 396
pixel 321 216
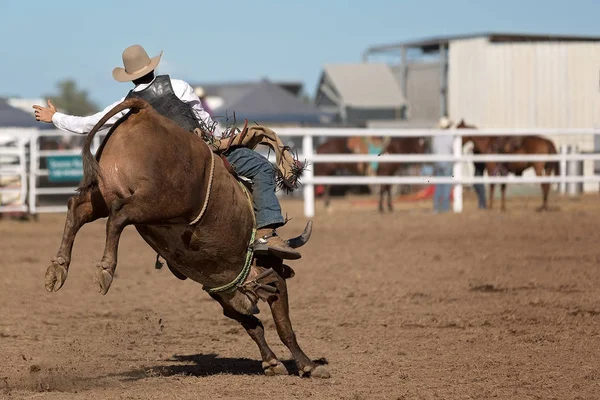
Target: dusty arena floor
pixel 401 306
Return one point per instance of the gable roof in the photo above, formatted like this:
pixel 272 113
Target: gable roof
pixel 268 102
pixel 230 92
pixel 433 43
pixel 364 85
pixel 12 117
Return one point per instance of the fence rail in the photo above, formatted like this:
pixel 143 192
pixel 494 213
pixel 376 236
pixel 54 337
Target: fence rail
pixel 457 158
pixel 21 144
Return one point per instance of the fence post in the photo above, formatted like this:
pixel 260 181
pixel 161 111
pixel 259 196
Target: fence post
pixel 562 166
pixel 23 168
pixel 574 170
pixel 33 172
pixel 308 188
pixel 457 174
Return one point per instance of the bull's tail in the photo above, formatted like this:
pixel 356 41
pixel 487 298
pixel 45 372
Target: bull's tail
pixel 91 168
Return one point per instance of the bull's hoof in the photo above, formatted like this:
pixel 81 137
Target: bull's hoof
pixel 56 274
pixel 274 367
pixel 103 279
pixel 542 208
pixel 315 372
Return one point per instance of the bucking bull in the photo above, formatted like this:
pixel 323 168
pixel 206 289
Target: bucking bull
pixel 192 211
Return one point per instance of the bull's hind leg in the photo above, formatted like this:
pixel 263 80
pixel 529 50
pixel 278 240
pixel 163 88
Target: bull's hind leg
pixel 83 208
pixel 281 315
pixel 270 364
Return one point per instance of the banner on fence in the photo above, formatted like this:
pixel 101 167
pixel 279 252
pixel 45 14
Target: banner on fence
pixel 65 168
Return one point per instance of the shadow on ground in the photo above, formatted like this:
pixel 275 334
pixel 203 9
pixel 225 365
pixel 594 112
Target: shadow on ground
pixel 206 365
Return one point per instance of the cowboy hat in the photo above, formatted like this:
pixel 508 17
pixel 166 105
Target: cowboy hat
pixel 136 63
pixel 445 123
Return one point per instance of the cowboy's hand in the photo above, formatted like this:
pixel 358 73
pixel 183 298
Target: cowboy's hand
pixel 45 114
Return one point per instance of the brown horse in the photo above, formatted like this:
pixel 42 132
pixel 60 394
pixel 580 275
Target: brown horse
pixel 165 181
pixel 515 145
pixel 340 145
pixel 399 145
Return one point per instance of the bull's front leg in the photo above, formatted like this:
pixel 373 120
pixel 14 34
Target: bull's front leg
pixel 136 209
pixel 83 208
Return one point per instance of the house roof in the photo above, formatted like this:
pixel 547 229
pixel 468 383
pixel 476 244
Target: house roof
pixel 433 43
pixel 230 92
pixel 269 102
pixel 12 117
pixel 365 85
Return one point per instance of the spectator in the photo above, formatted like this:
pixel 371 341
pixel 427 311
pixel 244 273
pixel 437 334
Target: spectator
pixel 479 188
pixel 442 145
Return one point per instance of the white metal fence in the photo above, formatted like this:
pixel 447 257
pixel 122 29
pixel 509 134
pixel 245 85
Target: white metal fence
pixel 13 169
pixel 458 158
pixel 36 171
pixel 16 144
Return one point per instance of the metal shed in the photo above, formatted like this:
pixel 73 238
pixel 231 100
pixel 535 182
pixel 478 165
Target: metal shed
pixel 499 79
pixel 357 93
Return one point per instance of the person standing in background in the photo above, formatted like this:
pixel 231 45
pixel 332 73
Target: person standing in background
pixel 479 187
pixel 442 145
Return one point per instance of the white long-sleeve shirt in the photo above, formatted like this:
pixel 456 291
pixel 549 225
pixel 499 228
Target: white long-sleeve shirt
pixel 83 125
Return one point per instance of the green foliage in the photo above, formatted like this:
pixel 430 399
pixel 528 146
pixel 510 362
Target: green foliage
pixel 71 100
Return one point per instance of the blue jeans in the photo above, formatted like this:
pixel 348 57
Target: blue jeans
pixel 441 197
pixel 254 166
pixel 479 188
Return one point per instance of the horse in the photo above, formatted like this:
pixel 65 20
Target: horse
pixel 186 205
pixel 340 145
pixel 400 145
pixel 515 145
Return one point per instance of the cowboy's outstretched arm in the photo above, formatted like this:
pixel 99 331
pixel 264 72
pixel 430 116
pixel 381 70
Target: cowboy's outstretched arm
pixel 74 124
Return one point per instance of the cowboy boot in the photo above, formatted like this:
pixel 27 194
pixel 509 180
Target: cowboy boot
pixel 268 242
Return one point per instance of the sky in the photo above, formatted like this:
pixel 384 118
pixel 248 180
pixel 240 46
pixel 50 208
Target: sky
pixel 211 41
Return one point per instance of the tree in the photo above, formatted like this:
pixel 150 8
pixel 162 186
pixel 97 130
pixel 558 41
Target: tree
pixel 72 100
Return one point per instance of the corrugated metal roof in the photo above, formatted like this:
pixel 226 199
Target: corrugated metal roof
pixel 433 43
pixel 365 85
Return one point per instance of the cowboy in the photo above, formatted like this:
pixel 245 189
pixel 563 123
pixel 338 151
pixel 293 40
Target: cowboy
pixel 176 100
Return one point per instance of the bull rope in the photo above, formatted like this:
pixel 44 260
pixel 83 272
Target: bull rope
pixel 243 275
pixel 208 189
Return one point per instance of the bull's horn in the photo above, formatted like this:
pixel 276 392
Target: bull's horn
pixel 301 240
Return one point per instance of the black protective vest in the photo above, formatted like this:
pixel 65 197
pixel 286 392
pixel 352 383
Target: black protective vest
pixel 161 97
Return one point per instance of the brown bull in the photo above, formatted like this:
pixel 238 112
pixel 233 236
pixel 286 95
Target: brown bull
pixel 160 178
pixel 400 145
pixel 515 145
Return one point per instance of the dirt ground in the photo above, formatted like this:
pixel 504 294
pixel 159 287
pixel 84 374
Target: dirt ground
pixel 401 306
